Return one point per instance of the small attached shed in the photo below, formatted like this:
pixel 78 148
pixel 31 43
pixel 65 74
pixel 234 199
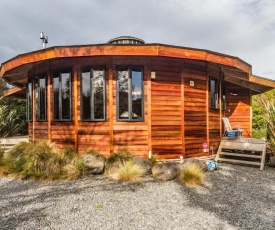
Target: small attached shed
pixel 129 94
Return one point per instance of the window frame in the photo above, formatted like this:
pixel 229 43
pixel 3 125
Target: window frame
pixel 29 101
pixel 130 105
pixel 58 74
pixel 38 99
pixel 216 94
pixel 92 99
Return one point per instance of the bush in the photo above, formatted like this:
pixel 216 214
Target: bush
pixel 42 160
pixel 128 171
pixel 116 159
pixel 153 159
pixel 191 174
pixel 122 155
pixel 75 169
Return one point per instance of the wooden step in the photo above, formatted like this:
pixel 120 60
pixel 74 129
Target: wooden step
pixel 241 155
pixel 239 161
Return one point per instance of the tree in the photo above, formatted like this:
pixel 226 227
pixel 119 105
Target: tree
pixel 15 111
pixel 259 123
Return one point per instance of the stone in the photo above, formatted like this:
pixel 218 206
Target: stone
pixel 145 164
pixel 202 165
pixel 272 161
pixel 95 163
pixel 166 171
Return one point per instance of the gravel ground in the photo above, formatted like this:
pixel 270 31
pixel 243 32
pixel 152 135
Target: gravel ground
pixel 233 197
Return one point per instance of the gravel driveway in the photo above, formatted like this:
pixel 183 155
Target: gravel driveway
pixel 234 197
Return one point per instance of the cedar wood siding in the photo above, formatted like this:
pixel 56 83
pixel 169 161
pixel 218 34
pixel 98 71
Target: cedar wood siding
pixel 177 118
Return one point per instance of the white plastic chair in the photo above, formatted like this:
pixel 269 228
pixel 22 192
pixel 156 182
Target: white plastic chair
pixel 238 132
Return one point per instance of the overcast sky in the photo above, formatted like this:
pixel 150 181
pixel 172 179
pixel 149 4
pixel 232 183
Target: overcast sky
pixel 242 28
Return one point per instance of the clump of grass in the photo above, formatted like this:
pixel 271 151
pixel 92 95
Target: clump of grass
pixel 154 159
pixel 41 160
pixel 122 155
pixel 191 175
pixel 75 169
pixel 128 171
pixel 116 159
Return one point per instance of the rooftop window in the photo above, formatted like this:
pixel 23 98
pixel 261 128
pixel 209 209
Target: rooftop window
pixel 126 40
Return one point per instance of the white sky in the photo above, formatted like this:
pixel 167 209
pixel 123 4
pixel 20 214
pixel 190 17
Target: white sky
pixel 242 28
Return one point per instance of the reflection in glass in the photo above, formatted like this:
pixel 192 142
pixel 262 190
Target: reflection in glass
pixel 93 94
pixel 136 94
pixel 56 98
pixel 41 98
pixel 66 95
pixel 123 87
pixel 86 96
pixel 29 101
pixel 98 94
pixel 130 94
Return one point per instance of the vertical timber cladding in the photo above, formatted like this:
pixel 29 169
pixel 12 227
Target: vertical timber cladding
pixel 132 136
pixel 166 109
pixel 195 107
pixel 238 102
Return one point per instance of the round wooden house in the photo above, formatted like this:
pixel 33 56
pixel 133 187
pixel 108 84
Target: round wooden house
pixel 129 94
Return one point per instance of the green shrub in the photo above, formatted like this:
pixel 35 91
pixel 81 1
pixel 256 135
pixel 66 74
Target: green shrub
pixel 75 169
pixel 154 159
pixel 191 174
pixel 42 160
pixel 128 171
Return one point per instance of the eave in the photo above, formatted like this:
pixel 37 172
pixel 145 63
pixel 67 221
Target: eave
pixel 15 71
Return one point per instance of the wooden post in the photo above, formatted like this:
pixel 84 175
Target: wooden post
pixel 49 104
pixel 148 106
pixel 182 111
pixel 207 104
pixel 110 108
pixel 33 109
pixel 75 102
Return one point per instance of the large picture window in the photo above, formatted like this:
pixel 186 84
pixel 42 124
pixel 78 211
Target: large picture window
pixel 40 97
pixel 62 96
pixel 130 94
pixel 214 93
pixel 29 101
pixel 93 94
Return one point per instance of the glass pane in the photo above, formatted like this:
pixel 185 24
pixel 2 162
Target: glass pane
pixel 66 95
pixel 86 96
pixel 56 98
pixel 137 94
pixel 123 94
pixel 29 101
pixel 42 99
pixel 98 94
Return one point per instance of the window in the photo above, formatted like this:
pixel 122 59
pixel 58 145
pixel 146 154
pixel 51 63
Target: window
pixel 29 101
pixel 40 97
pixel 214 93
pixel 93 94
pixel 223 98
pixel 62 96
pixel 130 94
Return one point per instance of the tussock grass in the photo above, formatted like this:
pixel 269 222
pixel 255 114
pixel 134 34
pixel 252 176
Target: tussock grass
pixel 191 175
pixel 42 160
pixel 122 155
pixel 116 159
pixel 128 171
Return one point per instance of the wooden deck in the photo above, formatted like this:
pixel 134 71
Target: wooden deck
pixel 8 143
pixel 249 151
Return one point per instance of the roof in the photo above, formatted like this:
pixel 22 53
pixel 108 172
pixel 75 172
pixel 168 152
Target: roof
pixel 15 71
